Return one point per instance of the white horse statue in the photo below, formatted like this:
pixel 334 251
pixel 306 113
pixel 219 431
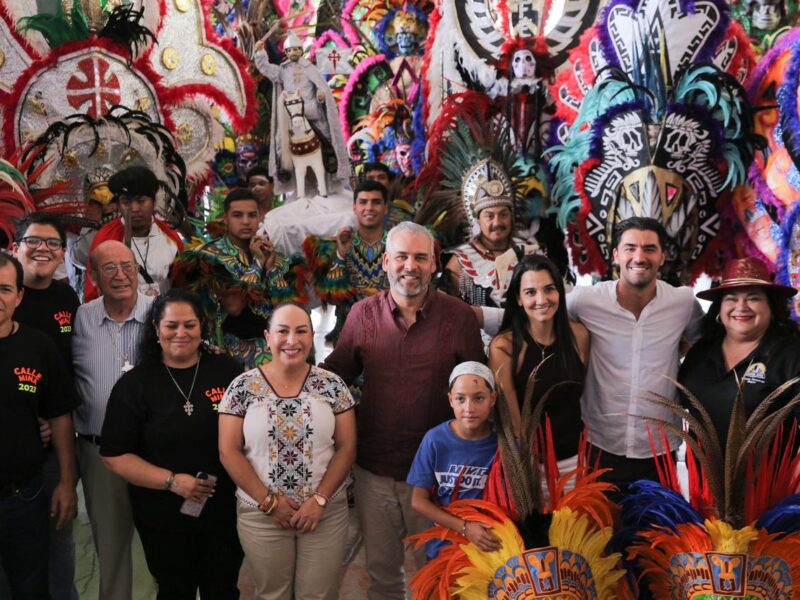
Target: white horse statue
pixel 300 146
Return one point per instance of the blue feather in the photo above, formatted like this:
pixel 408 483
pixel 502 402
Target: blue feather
pixel 651 504
pixel 784 517
pixel 648 505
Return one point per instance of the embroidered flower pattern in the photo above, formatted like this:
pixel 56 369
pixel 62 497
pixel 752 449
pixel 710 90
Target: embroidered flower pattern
pixel 290 427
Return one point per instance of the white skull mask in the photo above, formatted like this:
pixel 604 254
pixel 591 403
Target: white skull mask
pixel 402 153
pixel 524 64
pixel 766 14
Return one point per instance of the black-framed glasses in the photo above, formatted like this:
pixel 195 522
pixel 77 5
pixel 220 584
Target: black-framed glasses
pixel 34 241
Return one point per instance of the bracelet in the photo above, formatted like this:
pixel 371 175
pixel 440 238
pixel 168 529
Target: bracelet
pixel 268 504
pixel 264 505
pixel 464 529
pixel 170 481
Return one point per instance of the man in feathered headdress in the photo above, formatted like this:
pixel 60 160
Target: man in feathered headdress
pixel 479 270
pixel 297 74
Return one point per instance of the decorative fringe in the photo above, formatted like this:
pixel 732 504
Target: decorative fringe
pixel 330 282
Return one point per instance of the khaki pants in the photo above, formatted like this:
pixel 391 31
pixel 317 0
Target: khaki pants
pixel 110 515
pixel 386 517
pixel 289 564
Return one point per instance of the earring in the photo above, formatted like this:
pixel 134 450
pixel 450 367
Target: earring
pixel 717 319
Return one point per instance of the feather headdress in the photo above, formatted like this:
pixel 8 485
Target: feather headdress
pixel 470 133
pixel 655 124
pixel 548 550
pixel 72 150
pixel 738 534
pixel 15 201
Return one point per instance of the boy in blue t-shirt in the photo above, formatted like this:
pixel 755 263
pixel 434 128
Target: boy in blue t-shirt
pixel 458 455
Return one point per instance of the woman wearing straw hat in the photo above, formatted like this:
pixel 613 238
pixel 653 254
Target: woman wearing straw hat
pixel 749 340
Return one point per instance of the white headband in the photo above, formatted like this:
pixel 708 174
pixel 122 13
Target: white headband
pixel 472 367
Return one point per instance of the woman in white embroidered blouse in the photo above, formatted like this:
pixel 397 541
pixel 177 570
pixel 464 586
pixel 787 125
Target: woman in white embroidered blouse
pixel 288 439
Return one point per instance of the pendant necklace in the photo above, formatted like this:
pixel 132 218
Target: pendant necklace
pixel 188 407
pixel 126 366
pixel 146 250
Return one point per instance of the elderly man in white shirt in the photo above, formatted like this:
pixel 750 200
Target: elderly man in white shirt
pixel 636 325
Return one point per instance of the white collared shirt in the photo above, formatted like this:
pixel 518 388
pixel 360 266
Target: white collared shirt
pixel 155 253
pixel 101 347
pixel 630 360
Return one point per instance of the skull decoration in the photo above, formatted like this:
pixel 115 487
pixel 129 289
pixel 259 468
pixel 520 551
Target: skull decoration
pixel 767 15
pixel 523 64
pixel 247 156
pixel 402 153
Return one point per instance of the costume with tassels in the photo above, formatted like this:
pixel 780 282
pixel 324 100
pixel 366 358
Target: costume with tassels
pixel 344 281
pixel 655 124
pixel 738 535
pixel 219 270
pixel 551 548
pixel 349 279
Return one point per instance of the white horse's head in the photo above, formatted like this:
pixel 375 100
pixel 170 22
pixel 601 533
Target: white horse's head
pixel 298 124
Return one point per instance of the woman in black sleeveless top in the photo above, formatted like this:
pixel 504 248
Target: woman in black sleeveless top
pixel 536 328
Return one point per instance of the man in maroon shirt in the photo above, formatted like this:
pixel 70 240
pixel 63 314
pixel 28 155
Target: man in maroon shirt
pixel 405 340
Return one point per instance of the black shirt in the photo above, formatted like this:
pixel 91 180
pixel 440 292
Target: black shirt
pixel 245 326
pixel 146 417
pixel 51 311
pixel 775 361
pixel 34 382
pixel 563 405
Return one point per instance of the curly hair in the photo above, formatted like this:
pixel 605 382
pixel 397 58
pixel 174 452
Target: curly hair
pixel 149 346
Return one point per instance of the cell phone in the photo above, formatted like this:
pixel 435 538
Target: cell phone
pixel 193 508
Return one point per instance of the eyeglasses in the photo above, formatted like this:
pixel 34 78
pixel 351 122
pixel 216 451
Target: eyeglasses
pixel 33 241
pixel 111 268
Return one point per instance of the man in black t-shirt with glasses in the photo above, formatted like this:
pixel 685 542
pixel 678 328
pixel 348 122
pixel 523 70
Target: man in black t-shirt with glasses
pixel 49 306
pixel 34 382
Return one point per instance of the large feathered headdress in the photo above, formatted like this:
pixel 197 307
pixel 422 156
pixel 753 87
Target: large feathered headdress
pixel 88 60
pixel 78 149
pixel 655 124
pixel 470 146
pixel 738 535
pixel 555 549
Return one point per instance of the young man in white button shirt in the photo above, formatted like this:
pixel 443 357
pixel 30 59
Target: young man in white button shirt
pixel 636 325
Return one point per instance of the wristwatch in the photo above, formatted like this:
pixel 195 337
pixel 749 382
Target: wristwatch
pixel 321 500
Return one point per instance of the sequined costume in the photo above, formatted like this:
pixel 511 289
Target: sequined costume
pixel 219 269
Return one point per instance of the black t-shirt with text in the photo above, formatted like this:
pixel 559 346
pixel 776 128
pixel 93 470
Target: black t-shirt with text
pixel 147 416
pixel 34 382
pixel 51 311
